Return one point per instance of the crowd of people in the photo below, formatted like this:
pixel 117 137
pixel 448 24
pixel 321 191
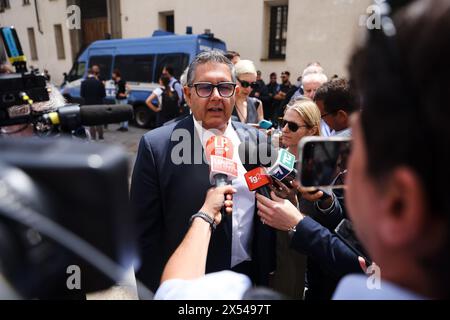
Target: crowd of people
pixel 393 106
pixel 395 181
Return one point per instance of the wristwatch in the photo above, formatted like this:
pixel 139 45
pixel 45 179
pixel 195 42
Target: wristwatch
pixel 207 218
pixel 292 231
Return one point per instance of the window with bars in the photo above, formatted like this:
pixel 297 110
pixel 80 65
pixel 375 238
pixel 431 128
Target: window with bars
pixel 278 32
pixel 60 51
pixel 4 4
pixel 32 42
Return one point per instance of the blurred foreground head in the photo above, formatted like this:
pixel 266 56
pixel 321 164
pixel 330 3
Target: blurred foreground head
pixel 399 169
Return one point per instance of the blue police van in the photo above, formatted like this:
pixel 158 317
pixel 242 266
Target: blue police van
pixel 141 62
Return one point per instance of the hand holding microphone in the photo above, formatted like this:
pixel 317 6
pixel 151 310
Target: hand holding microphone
pixel 284 192
pixel 214 202
pixel 259 180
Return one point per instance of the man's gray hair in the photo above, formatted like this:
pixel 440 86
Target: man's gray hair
pixel 213 56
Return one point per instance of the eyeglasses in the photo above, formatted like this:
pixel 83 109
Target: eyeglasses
pixel 246 84
pixel 205 89
pixel 292 126
pixel 327 114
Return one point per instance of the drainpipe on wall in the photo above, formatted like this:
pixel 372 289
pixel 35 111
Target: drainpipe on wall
pixel 38 20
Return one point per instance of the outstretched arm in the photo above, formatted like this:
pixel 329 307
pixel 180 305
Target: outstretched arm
pixel 189 259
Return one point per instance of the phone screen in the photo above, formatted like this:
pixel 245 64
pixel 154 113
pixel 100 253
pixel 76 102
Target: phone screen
pixel 323 161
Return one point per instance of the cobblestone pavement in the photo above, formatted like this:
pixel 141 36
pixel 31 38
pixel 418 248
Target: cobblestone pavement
pixel 128 140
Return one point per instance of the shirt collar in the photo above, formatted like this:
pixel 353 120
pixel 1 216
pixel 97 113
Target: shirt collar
pixel 205 134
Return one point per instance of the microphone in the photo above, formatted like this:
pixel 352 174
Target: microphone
pixel 219 146
pixel 74 116
pixel 258 180
pixel 283 166
pixel 223 169
pixel 253 155
pixel 105 114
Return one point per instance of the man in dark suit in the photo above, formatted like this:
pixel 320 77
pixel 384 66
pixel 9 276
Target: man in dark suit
pixel 171 178
pixel 93 92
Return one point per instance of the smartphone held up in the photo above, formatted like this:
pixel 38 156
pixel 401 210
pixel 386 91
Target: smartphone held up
pixel 323 162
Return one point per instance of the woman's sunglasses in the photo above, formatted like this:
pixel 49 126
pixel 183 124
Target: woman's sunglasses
pixel 292 126
pixel 246 84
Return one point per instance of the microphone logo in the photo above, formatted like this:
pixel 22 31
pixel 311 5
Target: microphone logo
pixel 287 159
pixel 219 146
pixel 257 178
pixel 221 165
pixel 283 166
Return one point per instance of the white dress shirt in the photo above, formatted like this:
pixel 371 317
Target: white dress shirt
pixel 243 200
pixel 325 129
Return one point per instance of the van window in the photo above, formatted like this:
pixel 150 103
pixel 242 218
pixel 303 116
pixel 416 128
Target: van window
pixel 135 68
pixel 179 61
pixel 77 71
pixel 105 63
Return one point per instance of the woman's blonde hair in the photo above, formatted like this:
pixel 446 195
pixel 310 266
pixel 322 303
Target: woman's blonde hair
pixel 308 111
pixel 245 67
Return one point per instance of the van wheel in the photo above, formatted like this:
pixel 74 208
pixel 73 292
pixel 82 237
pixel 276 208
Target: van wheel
pixel 144 117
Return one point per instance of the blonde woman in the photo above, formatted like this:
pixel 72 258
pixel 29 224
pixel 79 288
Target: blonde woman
pixel 301 119
pixel 247 109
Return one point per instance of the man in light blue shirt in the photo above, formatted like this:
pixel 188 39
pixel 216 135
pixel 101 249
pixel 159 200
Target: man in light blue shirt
pixel 336 103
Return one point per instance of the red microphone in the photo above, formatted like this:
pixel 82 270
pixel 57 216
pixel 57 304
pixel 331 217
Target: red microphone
pixel 219 146
pixel 223 169
pixel 258 180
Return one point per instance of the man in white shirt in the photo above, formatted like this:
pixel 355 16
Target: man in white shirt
pixel 170 179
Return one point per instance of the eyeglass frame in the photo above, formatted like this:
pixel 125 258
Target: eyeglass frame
pixel 290 123
pixel 214 86
pixel 246 84
pixel 327 114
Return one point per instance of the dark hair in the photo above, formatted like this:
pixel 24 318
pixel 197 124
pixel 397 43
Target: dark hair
pixel 337 95
pixel 213 56
pixel 286 73
pixel 117 72
pixel 402 81
pixel 321 93
pixel 170 69
pixel 273 74
pixel 232 54
pixel 165 79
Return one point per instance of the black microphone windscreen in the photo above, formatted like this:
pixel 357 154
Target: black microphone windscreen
pixel 248 153
pixel 103 114
pixel 254 155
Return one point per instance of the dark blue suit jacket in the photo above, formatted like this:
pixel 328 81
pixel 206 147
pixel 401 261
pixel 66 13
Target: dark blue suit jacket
pixel 329 258
pixel 166 195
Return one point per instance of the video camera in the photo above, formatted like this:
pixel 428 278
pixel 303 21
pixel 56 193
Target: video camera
pixel 21 87
pixel 64 208
pixel 46 184
pixel 20 90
